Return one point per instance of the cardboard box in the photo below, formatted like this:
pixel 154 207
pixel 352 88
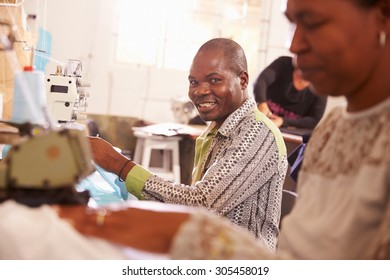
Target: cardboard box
pixel 11 2
pixel 20 56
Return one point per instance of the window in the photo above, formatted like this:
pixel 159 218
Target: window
pixel 166 34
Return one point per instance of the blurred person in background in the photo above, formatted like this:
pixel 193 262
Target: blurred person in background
pixel 286 98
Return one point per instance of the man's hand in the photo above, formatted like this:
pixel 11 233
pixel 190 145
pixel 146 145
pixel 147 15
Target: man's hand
pixel 105 155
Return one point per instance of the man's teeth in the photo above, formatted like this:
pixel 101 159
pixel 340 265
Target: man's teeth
pixel 205 104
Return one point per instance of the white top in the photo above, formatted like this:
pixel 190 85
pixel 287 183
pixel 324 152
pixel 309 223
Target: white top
pixel 343 193
pixel 343 187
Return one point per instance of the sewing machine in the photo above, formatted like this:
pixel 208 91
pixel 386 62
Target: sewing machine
pixel 44 163
pixel 66 93
pixel 37 166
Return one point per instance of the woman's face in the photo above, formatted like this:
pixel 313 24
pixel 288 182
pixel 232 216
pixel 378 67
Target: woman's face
pixel 336 44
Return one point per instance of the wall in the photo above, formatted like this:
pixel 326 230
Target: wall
pixel 274 30
pixel 85 30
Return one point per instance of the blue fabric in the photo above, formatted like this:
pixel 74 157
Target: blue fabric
pixel 296 157
pixel 105 187
pixel 297 162
pixel 113 180
pixel 43 50
pixel 5 150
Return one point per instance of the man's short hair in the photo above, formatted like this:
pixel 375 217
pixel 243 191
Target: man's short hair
pixel 233 52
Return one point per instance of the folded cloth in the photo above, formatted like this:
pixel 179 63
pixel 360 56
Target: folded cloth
pixel 105 187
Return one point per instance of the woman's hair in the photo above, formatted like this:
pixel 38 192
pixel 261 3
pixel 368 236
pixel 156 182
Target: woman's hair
pixel 368 4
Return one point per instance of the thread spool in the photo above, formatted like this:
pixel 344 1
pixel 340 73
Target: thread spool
pixel 29 97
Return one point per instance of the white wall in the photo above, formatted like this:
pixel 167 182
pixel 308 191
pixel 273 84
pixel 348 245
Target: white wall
pixel 85 30
pixel 274 28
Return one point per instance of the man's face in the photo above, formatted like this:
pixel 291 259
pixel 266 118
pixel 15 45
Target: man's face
pixel 214 88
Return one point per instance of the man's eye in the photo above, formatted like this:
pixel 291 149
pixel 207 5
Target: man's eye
pixel 214 80
pixel 193 83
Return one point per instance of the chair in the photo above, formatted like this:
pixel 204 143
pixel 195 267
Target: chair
pixel 169 145
pixel 288 201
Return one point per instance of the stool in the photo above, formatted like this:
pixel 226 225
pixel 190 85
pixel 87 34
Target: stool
pixel 168 144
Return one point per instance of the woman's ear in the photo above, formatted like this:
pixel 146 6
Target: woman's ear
pixel 384 33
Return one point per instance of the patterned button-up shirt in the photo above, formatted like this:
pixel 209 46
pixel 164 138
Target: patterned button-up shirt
pixel 240 176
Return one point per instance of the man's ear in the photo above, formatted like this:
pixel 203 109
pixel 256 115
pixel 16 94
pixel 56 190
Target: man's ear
pixel 244 79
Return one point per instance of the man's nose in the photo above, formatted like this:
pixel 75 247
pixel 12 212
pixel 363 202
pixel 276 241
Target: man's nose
pixel 202 90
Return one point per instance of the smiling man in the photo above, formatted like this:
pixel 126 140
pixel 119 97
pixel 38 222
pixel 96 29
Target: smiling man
pixel 240 160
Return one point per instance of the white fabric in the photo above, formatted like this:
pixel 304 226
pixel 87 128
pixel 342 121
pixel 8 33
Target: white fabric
pixel 38 233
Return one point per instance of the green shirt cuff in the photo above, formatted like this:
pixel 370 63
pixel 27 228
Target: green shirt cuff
pixel 136 179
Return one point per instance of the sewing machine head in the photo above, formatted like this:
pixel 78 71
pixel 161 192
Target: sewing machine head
pixel 66 94
pixel 46 167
